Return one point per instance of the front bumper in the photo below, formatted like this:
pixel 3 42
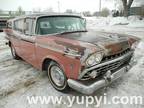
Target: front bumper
pixel 89 89
pixel 107 78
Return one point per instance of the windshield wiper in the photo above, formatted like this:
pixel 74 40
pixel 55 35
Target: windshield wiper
pixel 65 32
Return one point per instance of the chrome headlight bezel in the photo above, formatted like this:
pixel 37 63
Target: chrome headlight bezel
pixel 94 59
pixel 134 45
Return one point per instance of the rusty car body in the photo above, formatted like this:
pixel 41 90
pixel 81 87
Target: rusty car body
pixel 72 55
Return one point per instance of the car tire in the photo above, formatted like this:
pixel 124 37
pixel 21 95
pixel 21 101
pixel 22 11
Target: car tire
pixel 13 52
pixel 57 77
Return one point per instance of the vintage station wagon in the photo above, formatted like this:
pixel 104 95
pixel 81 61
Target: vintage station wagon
pixel 73 56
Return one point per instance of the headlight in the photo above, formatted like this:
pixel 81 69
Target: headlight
pixel 91 60
pixel 98 57
pixel 94 59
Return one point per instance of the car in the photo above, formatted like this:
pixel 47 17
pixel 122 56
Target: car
pixel 3 21
pixel 73 57
pixel 2 24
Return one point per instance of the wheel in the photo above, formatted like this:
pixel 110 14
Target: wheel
pixel 57 77
pixel 13 52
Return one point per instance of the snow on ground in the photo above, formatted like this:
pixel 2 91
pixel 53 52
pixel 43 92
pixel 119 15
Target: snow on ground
pixel 19 79
pixel 132 21
pixel 131 25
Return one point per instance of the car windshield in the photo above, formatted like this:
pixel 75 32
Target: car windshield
pixel 59 24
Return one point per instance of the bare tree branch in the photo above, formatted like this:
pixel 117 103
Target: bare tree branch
pixel 124 3
pixel 130 3
pixel 126 6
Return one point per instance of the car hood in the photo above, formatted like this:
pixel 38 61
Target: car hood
pixel 110 42
pixel 84 44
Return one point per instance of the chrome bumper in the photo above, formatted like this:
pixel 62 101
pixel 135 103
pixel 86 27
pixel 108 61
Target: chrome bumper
pixel 107 79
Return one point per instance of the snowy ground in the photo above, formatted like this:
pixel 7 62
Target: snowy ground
pixel 18 79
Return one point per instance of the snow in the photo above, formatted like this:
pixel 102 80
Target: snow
pixel 19 79
pixel 140 45
pixel 136 24
pixel 132 21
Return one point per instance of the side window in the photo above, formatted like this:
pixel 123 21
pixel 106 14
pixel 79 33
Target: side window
pixel 18 25
pixel 29 26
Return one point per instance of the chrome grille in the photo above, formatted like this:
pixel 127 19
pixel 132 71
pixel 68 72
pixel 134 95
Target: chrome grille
pixel 116 55
pixel 113 66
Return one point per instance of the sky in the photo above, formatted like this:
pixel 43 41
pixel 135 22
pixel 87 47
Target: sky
pixel 76 5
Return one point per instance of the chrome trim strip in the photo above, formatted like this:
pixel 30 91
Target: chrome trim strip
pixel 57 50
pixel 70 54
pixel 28 40
pixel 102 64
pixel 48 47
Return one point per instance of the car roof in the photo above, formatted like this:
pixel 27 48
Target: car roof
pixel 38 15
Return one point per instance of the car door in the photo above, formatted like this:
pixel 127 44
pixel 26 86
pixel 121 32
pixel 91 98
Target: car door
pixel 27 43
pixel 15 34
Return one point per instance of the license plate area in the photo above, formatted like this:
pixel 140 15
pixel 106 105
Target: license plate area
pixel 118 73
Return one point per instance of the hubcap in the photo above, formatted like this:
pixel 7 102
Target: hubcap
pixel 57 75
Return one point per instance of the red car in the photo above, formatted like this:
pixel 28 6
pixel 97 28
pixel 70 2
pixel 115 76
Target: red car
pixel 72 56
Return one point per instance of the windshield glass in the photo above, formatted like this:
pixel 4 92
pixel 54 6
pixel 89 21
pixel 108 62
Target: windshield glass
pixel 50 25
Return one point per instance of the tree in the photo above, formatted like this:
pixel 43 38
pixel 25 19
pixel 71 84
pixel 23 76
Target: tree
pixel 126 6
pixel 20 11
pixel 143 10
pixel 1 11
pixel 104 12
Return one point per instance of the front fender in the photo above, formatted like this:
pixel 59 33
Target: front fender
pixel 70 66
